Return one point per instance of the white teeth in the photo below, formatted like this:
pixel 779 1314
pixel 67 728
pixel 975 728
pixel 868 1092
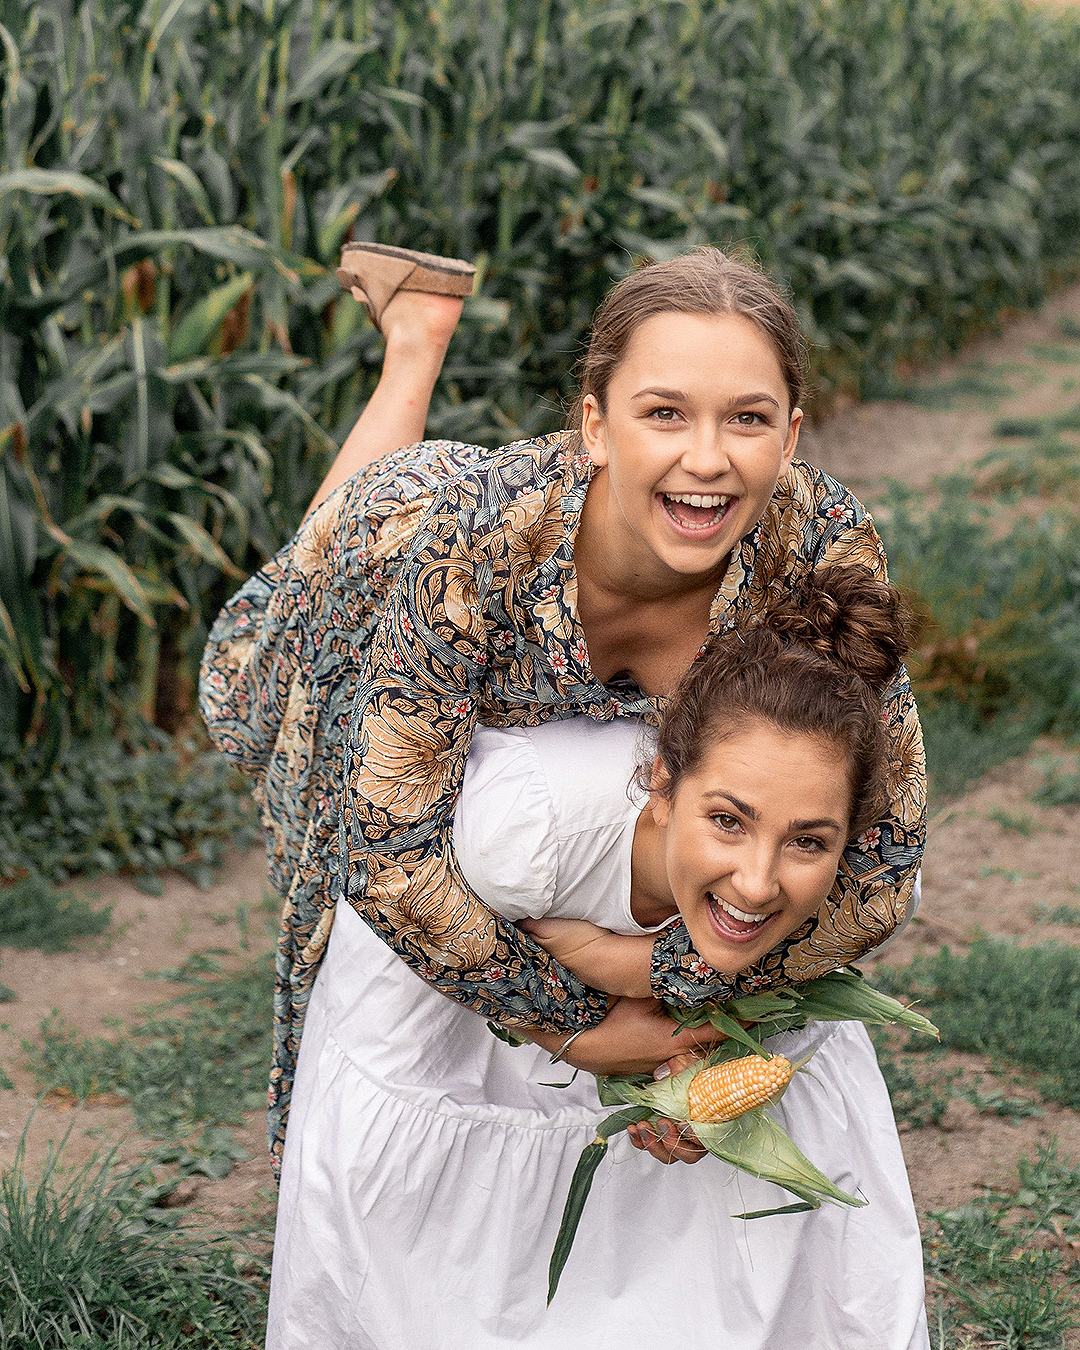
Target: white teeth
pixel 737 913
pixel 696 499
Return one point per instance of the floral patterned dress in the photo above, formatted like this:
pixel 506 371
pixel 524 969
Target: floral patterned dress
pixel 435 590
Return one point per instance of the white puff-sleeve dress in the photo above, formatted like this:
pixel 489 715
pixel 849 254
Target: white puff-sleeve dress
pixel 427 1163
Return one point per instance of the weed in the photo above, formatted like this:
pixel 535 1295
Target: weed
pixel 199 1057
pixel 34 913
pixel 1058 788
pixel 1013 821
pixel 213 1154
pixel 1064 914
pixel 919 1097
pixel 996 1103
pixel 1049 351
pixel 1021 1004
pixel 1048 468
pixel 1009 874
pixel 993 1261
pixel 89 1263
pixel 1069 327
pixel 99 806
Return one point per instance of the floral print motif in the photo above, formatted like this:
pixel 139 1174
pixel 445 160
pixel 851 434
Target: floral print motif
pixel 434 590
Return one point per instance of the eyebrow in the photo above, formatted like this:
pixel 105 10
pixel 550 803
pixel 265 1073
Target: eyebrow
pixel 744 807
pixel 679 396
pixel 752 814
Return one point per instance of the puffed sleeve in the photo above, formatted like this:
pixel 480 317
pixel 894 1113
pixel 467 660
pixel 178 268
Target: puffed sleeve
pixel 408 740
pixel 878 870
pixel 504 834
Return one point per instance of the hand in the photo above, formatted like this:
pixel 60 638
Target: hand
pixel 667 1140
pixel 636 1036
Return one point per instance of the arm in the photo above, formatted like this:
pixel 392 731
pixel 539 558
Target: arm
pixel 821 524
pixel 615 963
pixel 408 740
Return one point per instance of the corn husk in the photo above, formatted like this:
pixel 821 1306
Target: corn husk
pixel 753 1142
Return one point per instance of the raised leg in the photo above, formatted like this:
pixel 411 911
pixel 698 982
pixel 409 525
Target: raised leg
pixel 418 328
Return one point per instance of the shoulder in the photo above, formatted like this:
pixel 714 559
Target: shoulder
pixel 812 520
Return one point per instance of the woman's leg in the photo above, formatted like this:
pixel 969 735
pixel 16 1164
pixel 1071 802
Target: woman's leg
pixel 418 328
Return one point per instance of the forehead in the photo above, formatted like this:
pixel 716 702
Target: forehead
pixel 782 775
pixel 700 352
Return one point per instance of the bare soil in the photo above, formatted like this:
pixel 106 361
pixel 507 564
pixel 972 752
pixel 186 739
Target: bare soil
pixel 979 874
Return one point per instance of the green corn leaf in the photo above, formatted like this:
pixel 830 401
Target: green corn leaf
pixel 189 180
pixel 50 182
pixel 204 318
pixel 103 562
pixel 800 1207
pixel 202 544
pixel 580 1186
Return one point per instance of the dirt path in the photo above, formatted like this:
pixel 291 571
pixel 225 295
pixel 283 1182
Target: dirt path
pixel 979 873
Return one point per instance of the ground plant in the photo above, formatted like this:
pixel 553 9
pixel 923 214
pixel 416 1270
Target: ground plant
pixel 197 1058
pixel 1019 1005
pixel 175 361
pixel 87 1262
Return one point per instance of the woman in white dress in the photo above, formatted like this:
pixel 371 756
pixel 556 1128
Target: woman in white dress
pixel 427 1162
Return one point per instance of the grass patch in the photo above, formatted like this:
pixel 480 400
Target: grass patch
pixel 86 1261
pixel 101 806
pixel 919 1091
pixel 1018 1004
pixel 947 393
pixel 1013 822
pixel 34 913
pixel 1058 788
pixel 1003 1261
pixel 197 1058
pixel 1049 467
pixel 961 745
pixel 1064 914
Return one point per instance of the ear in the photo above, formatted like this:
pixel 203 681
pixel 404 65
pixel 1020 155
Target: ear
pixel 659 804
pixel 594 431
pixel 791 441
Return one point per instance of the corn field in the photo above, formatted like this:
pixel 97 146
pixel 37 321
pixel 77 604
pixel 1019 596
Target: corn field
pixel 177 177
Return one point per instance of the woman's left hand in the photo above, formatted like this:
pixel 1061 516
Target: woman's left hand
pixel 668 1140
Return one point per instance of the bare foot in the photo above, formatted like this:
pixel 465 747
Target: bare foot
pixel 419 321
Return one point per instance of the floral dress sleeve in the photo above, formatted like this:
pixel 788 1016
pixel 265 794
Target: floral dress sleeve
pixel 428 662
pixel 814 522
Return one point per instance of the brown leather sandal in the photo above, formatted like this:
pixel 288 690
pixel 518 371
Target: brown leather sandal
pixel 379 271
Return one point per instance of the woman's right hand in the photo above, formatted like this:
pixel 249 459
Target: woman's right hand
pixel 636 1036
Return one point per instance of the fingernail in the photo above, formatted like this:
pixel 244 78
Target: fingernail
pixel 661 1071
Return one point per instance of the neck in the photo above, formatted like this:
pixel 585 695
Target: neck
pixel 651 901
pixel 616 564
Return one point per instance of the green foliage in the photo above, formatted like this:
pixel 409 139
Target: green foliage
pixel 177 179
pixel 87 1263
pixel 200 1057
pixel 991 1257
pixel 1013 821
pixel 1018 1004
pixel 33 913
pixel 1065 914
pixel 996 594
pixel 98 805
pixel 920 1094
pixel 1058 788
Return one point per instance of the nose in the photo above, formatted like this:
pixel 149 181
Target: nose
pixel 756 878
pixel 704 456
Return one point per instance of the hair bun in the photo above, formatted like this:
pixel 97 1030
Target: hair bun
pixel 850 616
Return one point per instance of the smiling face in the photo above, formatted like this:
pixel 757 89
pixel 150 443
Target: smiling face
pixel 752 839
pixel 695 432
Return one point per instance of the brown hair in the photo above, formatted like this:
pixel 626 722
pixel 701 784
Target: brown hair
pixel 816 664
pixel 705 281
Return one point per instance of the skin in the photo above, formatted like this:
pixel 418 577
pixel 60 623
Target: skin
pixel 759 825
pixel 698 405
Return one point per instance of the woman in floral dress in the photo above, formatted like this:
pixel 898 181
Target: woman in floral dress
pixel 439 586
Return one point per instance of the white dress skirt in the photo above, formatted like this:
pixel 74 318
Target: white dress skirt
pixel 427 1163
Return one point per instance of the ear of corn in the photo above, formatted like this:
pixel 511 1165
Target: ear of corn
pixel 723 1091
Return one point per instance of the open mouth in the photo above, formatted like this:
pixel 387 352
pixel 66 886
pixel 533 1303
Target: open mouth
pixel 734 924
pixel 695 512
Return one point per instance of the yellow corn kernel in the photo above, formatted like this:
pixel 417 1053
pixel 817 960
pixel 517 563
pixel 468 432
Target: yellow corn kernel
pixel 724 1091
